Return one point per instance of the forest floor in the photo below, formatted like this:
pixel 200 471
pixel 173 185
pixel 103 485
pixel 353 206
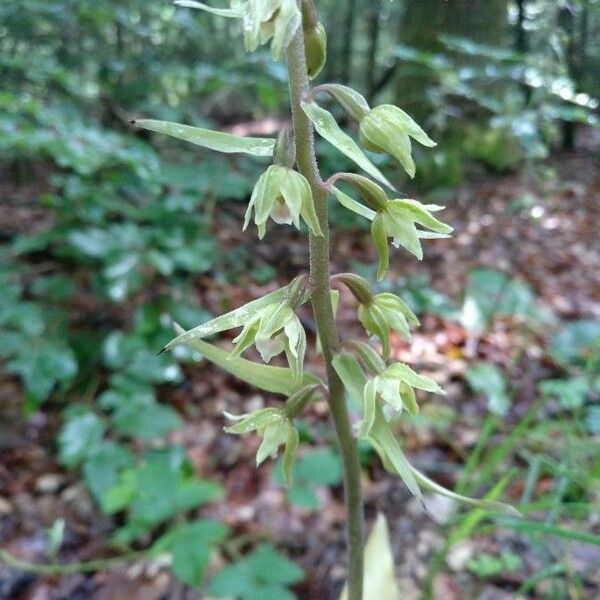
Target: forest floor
pixel 542 228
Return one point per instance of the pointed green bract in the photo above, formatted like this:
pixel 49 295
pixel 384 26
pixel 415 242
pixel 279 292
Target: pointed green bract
pixel 352 376
pixel 351 204
pixel 235 318
pixel 380 436
pixel 213 140
pixel 411 210
pixel 491 505
pixel 327 127
pixel 407 375
pixel 277 380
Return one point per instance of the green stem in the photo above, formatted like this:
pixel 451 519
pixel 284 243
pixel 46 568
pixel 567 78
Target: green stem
pixel 323 312
pixel 59 569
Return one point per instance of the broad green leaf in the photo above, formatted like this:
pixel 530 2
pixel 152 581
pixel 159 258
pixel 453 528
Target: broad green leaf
pixel 213 140
pixel 327 127
pixel 235 318
pixel 102 465
pixel 232 13
pixel 487 379
pixel 190 545
pixel 262 575
pixel 277 380
pixel 79 436
pixel 319 467
pixel 491 505
pixel 379 578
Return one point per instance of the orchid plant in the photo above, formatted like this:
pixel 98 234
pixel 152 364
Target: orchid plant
pixel 292 191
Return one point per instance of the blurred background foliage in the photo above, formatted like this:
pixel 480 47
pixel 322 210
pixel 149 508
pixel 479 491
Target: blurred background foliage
pixel 106 232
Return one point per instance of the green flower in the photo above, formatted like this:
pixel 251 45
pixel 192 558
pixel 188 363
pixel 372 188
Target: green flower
pixel 387 128
pixel 273 330
pixel 384 313
pixel 284 195
pixel 263 20
pixel 395 387
pixel 275 428
pixel 276 20
pixel 398 220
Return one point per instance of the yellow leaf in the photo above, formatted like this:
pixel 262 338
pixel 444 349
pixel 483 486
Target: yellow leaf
pixel 380 580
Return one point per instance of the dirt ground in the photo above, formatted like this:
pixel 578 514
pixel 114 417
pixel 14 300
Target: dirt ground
pixel 542 227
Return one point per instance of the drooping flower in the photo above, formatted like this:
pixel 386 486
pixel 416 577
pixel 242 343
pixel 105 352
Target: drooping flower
pixel 275 428
pixel 284 195
pixel 387 128
pixel 395 387
pixel 386 312
pixel 379 313
pixel 263 20
pixel 396 219
pixel 274 329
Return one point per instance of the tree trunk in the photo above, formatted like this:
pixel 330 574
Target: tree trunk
pixel 348 34
pixel 483 21
pixel 374 28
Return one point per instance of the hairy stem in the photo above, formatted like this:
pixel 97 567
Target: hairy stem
pixel 321 303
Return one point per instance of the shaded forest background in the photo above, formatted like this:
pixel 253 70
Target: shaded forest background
pixel 107 234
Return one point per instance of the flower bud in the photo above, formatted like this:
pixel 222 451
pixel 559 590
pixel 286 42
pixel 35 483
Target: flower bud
pixel 371 192
pixel 355 104
pixel 315 48
pixel 284 153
